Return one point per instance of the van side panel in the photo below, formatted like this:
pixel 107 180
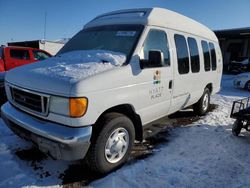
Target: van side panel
pixel 188 88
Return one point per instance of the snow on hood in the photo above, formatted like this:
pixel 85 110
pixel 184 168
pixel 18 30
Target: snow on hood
pixel 244 62
pixel 78 65
pixel 244 74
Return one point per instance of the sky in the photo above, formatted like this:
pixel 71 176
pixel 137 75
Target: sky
pixel 22 20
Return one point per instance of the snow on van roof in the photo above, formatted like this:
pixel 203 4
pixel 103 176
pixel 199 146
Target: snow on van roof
pixel 78 65
pixel 156 17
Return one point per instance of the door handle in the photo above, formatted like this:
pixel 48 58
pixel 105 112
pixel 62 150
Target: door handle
pixel 170 85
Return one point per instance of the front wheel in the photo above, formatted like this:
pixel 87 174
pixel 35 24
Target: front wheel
pixel 112 146
pixel 203 105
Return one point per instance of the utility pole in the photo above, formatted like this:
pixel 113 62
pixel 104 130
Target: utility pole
pixel 45 25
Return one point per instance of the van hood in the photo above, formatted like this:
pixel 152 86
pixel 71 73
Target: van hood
pixel 57 75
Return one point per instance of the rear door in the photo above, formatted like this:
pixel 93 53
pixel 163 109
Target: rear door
pixel 17 57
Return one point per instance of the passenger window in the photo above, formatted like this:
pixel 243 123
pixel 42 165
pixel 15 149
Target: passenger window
pixel 156 40
pixel 194 55
pixel 213 56
pixel 182 54
pixel 20 54
pixel 206 55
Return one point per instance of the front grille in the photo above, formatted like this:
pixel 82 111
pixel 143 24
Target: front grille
pixel 28 100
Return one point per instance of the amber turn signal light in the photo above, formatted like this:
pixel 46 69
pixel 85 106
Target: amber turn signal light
pixel 77 106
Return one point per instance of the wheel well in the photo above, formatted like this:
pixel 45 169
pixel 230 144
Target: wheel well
pixel 128 111
pixel 210 87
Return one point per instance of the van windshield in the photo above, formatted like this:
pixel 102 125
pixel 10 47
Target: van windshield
pixel 117 38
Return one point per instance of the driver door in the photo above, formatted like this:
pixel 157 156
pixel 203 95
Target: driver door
pixel 155 90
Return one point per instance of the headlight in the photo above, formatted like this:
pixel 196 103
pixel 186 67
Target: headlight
pixel 59 105
pixel 73 107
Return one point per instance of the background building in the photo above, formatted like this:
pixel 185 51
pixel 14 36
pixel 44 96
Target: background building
pixel 234 43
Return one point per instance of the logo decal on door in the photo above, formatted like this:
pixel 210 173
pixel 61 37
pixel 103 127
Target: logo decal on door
pixel 157 77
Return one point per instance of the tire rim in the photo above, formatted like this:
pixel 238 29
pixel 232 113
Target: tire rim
pixel 117 145
pixel 205 102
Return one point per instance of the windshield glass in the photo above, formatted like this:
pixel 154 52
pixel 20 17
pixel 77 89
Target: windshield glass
pixel 116 38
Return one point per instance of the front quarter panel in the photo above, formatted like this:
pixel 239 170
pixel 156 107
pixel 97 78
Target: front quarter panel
pixel 105 91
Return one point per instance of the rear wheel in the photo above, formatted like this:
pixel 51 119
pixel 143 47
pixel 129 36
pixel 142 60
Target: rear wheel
pixel 112 146
pixel 237 126
pixel 203 105
pixel 247 86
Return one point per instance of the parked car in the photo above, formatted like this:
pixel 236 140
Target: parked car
pixel 121 72
pixel 240 65
pixel 11 57
pixel 242 81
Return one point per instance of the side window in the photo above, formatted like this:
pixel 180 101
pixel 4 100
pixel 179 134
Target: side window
pixel 213 56
pixel 206 55
pixel 20 54
pixel 182 54
pixel 194 55
pixel 156 40
pixel 38 55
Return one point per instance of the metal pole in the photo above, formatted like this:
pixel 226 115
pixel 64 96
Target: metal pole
pixel 44 34
pixel 45 23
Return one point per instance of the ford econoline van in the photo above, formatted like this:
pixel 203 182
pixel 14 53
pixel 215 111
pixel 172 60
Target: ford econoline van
pixel 122 71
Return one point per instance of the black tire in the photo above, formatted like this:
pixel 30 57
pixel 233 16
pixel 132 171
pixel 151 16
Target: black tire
pixel 97 157
pixel 247 85
pixel 200 108
pixel 237 126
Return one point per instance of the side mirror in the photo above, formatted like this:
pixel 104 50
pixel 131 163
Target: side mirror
pixel 155 59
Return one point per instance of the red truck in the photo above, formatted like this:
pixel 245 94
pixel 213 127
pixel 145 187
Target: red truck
pixel 11 57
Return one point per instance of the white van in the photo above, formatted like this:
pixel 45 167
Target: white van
pixel 122 71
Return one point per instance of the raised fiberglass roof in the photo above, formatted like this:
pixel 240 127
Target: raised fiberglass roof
pixel 154 16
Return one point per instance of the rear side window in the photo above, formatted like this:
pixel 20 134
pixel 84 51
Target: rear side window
pixel 38 55
pixel 213 56
pixel 20 54
pixel 206 55
pixel 194 55
pixel 156 40
pixel 182 54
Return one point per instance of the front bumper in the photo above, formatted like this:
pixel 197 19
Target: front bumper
pixel 61 142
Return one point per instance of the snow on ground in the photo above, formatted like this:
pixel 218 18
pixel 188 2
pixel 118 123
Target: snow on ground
pixel 202 154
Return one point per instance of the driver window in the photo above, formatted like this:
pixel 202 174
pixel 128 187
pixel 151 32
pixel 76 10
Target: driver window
pixel 156 40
